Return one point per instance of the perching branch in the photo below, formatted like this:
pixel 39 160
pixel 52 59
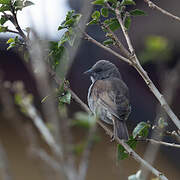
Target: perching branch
pixel 154 6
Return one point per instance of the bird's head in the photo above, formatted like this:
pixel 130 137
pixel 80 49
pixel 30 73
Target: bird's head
pixel 102 70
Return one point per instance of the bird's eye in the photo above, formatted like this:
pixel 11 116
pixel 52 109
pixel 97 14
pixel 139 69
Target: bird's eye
pixel 98 70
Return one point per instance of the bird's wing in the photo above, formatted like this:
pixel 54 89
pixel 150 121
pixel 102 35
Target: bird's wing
pixel 112 94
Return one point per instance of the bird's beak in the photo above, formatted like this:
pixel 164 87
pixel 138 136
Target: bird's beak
pixel 88 72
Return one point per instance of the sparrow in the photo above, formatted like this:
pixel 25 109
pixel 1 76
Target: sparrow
pixel 108 97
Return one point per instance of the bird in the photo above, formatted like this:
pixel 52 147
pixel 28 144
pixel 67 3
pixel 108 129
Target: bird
pixel 108 97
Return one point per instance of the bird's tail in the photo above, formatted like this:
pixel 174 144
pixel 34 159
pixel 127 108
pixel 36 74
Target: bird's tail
pixel 121 129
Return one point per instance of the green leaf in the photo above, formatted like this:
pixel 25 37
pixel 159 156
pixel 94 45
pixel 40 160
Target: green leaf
pixel 96 15
pixel 104 12
pixel 113 1
pixel 127 22
pixel 7 2
pixel 11 46
pixel 127 2
pixel 108 42
pixel 93 21
pixel 112 23
pixel 132 142
pixel 3 28
pixel 142 129
pixel 99 2
pixel 5 8
pixel 137 12
pixel 28 3
pixel 18 4
pixel 66 98
pixel 122 154
pixel 3 20
pixel 10 40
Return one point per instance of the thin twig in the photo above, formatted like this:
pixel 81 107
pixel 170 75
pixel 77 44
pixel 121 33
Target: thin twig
pixel 154 6
pixel 89 38
pixel 153 141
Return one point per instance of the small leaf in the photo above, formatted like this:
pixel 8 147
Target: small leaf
pixel 112 23
pixel 108 42
pixel 10 40
pixel 66 98
pixel 122 154
pixel 99 2
pixel 11 46
pixel 104 12
pixel 113 1
pixel 3 28
pixel 137 12
pixel 127 2
pixel 28 3
pixel 3 20
pixel 7 2
pixel 141 129
pixel 127 22
pixel 96 15
pixel 5 8
pixel 132 142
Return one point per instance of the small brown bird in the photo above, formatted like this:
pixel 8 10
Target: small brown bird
pixel 108 96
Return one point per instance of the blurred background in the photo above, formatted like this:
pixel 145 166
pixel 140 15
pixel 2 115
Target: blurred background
pixel 156 40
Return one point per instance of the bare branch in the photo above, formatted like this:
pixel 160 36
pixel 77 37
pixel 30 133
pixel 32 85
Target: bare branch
pixel 89 38
pixel 154 6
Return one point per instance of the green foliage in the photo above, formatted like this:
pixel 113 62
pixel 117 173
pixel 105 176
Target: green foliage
pixel 4 8
pixel 72 19
pixel 137 12
pixel 13 42
pixel 105 12
pixel 121 152
pixel 84 120
pixel 3 28
pixel 20 4
pixel 112 23
pixel 108 42
pixel 157 48
pixel 127 2
pixel 63 93
pixel 142 130
pixel 6 2
pixel 137 176
pixel 56 53
pixel 3 19
pixel 127 21
pixel 99 2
